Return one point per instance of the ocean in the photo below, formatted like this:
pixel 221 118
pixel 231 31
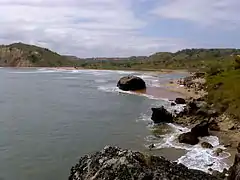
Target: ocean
pixel 52 117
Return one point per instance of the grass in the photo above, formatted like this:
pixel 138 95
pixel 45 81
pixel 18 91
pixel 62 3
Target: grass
pixel 224 91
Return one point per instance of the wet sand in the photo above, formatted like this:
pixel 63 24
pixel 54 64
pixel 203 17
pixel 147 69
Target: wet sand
pixel 159 92
pixel 185 92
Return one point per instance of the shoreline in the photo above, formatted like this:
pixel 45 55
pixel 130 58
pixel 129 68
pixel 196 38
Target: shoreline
pixel 228 138
pixel 80 68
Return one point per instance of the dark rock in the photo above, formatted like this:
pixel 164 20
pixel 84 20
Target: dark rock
pixel 213 126
pixel 201 129
pixel 151 146
pixel 173 104
pixel 206 145
pixel 188 138
pixel 161 115
pixel 131 83
pixel 234 171
pixel 218 151
pixel 180 101
pixel 113 163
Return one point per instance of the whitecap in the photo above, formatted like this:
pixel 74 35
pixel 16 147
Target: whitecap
pixel 196 157
pixel 116 89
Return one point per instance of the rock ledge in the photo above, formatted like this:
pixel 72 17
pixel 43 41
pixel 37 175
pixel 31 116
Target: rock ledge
pixel 113 163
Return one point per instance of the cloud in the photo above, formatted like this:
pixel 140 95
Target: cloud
pixel 220 13
pixel 80 27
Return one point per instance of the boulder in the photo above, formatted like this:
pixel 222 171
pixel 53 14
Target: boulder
pixel 188 138
pixel 113 163
pixel 201 130
pixel 161 115
pixel 180 101
pixel 173 104
pixel 131 83
pixel 206 145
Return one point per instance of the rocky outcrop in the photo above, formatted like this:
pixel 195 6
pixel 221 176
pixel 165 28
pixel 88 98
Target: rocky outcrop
pixel 188 138
pixel 113 163
pixel 161 115
pixel 196 81
pixel 131 83
pixel 200 130
pixel 195 111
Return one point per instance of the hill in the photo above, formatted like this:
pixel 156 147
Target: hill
pixel 190 59
pixel 23 55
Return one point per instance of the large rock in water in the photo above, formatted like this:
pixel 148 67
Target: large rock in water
pixel 161 115
pixel 188 138
pixel 131 83
pixel 113 163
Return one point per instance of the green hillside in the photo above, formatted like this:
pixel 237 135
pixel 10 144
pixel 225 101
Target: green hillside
pixel 191 59
pixel 23 55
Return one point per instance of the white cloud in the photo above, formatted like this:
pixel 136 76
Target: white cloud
pixel 79 27
pixel 220 13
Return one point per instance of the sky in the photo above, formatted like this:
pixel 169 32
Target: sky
pixel 107 28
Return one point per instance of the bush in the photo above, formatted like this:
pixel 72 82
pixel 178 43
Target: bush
pixel 237 62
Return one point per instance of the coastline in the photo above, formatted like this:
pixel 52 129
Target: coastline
pixel 155 71
pixel 227 136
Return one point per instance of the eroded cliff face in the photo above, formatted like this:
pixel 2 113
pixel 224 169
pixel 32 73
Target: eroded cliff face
pixel 13 57
pixel 113 163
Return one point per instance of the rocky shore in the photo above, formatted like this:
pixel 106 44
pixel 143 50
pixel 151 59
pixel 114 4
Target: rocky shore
pixel 203 120
pixel 113 163
pixel 198 110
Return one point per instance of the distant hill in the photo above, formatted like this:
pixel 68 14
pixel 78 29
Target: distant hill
pixel 184 59
pixel 23 55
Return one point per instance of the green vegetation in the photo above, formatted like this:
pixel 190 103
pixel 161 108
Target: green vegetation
pixel 191 59
pixel 19 54
pixel 223 86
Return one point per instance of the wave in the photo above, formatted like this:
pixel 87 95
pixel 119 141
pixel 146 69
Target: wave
pixel 196 157
pixel 116 89
pixel 100 81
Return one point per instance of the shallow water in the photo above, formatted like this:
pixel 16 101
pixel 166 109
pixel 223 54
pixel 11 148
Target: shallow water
pixel 50 118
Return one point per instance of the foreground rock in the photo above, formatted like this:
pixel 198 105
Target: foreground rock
pixel 235 169
pixel 113 163
pixel 200 130
pixel 131 83
pixel 161 115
